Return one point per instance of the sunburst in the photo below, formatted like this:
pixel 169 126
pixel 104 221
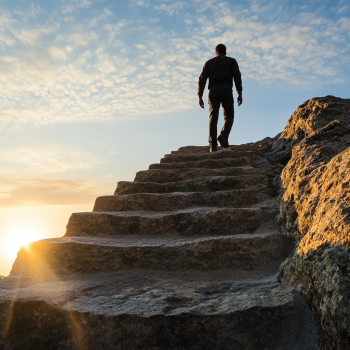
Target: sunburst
pixel 19 236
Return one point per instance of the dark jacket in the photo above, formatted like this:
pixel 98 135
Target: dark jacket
pixel 220 70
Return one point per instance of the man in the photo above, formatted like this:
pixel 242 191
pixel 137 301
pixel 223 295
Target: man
pixel 220 70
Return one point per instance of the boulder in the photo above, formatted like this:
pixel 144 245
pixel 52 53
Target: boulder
pixel 314 212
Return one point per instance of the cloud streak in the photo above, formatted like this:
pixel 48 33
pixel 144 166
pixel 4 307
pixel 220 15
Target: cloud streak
pixel 34 192
pixel 46 160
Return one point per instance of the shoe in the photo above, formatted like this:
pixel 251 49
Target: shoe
pixel 213 148
pixel 223 141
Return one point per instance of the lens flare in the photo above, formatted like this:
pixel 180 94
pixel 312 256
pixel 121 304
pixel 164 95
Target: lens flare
pixel 17 237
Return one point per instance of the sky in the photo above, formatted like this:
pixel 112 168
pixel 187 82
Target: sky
pixel 92 91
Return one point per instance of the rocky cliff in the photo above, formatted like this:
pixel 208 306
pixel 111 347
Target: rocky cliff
pixel 315 207
pixel 245 248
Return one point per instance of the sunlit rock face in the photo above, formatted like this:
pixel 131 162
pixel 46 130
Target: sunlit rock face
pixel 315 207
pixel 311 116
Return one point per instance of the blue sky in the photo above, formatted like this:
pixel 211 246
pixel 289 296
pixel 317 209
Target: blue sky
pixel 93 91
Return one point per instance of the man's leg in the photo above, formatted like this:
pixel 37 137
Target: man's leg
pixel 228 111
pixel 214 106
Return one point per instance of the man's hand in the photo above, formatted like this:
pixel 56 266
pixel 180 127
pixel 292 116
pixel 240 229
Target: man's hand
pixel 239 100
pixel 201 103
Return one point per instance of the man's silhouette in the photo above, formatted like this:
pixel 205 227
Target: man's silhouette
pixel 220 70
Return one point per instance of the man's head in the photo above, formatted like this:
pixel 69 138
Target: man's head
pixel 220 49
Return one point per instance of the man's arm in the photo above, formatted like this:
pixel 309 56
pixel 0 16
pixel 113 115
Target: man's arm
pixel 238 80
pixel 202 80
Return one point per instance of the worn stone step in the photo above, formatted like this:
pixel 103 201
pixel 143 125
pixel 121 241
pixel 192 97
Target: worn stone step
pixel 182 200
pixel 193 149
pixel 200 221
pixel 205 149
pixel 227 153
pixel 72 255
pixel 174 175
pixel 208 183
pixel 207 163
pixel 134 310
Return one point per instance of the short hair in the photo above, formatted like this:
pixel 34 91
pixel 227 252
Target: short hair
pixel 220 49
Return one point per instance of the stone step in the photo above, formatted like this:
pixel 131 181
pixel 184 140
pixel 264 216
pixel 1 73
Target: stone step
pixel 152 312
pixel 76 255
pixel 182 200
pixel 227 153
pixel 207 163
pixel 205 149
pixel 193 149
pixel 174 175
pixel 200 221
pixel 208 183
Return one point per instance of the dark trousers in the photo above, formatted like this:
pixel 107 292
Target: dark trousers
pixel 220 94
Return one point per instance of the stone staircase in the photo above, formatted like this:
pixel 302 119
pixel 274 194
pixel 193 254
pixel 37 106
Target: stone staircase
pixel 184 257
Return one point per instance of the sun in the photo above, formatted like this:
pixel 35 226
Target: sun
pixel 17 237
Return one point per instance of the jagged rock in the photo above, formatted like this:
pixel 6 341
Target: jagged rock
pixel 315 207
pixel 311 116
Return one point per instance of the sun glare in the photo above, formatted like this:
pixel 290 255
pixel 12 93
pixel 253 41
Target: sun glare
pixel 17 237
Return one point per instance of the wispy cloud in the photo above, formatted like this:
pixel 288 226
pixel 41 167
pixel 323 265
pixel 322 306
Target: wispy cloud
pixel 33 192
pixel 67 71
pixel 297 51
pixel 72 5
pixel 103 16
pixel 141 3
pixel 172 8
pixel 343 9
pixel 58 54
pixel 44 160
pixel 114 29
pixel 32 12
pixel 47 175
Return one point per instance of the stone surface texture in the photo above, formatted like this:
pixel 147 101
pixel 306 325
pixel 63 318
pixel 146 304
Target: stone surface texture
pixel 315 207
pixel 246 248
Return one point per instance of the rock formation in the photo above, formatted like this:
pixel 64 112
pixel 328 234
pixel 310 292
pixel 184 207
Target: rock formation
pixel 315 207
pixel 190 255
